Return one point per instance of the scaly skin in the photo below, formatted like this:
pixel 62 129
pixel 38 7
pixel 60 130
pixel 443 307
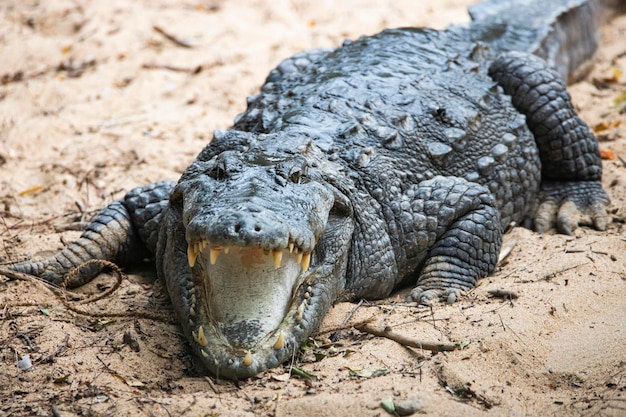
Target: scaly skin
pixel 395 158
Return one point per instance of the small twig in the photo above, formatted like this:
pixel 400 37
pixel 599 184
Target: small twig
pixel 352 311
pixel 506 294
pixel 550 275
pixel 106 366
pixel 502 322
pixel 506 250
pixel 405 341
pixel 575 250
pixel 172 38
pixel 212 385
pixel 26 339
pixel 190 70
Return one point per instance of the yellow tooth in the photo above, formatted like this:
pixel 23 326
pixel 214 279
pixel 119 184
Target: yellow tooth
pixel 191 255
pixel 291 245
pixel 247 360
pixel 226 249
pixel 214 254
pixel 205 243
pixel 278 257
pixel 299 256
pixel 300 312
pixel 306 261
pixel 280 342
pixel 200 337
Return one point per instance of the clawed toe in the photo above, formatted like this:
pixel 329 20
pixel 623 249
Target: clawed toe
pixel 568 205
pixel 431 296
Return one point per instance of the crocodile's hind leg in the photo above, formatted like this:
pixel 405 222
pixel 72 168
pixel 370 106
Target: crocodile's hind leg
pixel 571 190
pixel 457 224
pixel 123 231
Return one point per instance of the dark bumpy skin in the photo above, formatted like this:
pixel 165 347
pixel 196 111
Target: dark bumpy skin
pixel 395 159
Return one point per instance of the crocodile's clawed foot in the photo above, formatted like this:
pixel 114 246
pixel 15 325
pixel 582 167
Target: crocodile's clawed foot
pixel 430 296
pixel 568 205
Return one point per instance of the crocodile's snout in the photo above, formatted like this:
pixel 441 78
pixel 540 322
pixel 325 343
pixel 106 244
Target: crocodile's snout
pixel 253 225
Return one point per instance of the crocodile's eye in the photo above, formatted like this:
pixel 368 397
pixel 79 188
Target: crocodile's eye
pixel 295 177
pixel 298 175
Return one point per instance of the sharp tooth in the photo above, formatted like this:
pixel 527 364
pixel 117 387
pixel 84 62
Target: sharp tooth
pixel 278 257
pixel 280 342
pixel 226 249
pixel 299 256
pixel 291 245
pixel 200 337
pixel 247 360
pixel 192 254
pixel 192 311
pixel 306 261
pixel 214 254
pixel 300 312
pixel 204 354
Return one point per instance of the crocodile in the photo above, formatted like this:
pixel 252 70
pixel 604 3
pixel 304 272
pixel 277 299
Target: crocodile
pixel 397 159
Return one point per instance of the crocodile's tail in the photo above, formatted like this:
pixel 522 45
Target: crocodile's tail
pixel 563 32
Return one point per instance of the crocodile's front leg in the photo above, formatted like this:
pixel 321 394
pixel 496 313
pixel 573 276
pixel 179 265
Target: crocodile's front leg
pixel 444 231
pixel 467 237
pixel 122 232
pixel 571 190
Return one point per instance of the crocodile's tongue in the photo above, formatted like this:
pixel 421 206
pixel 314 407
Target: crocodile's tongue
pixel 249 290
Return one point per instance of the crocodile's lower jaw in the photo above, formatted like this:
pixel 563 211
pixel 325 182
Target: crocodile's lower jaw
pixel 246 313
pixel 247 293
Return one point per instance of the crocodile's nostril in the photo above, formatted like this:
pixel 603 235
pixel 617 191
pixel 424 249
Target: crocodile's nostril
pixel 237 228
pixel 257 228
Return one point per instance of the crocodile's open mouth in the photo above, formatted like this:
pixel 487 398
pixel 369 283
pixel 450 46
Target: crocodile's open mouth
pixel 247 290
pixel 248 304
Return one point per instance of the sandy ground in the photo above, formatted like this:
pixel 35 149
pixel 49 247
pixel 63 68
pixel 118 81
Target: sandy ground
pixel 98 97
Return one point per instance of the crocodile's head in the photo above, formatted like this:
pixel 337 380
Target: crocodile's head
pixel 256 252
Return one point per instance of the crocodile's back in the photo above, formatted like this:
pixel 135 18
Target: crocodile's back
pixel 401 107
